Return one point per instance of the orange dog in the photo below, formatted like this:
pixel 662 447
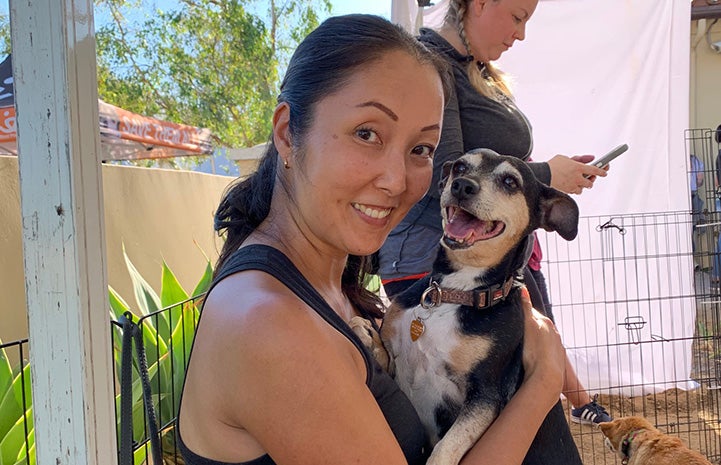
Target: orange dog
pixel 637 442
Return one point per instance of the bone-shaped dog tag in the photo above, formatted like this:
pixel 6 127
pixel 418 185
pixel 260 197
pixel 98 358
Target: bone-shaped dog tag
pixel 417 328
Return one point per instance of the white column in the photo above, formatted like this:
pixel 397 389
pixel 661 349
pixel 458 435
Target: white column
pixel 63 235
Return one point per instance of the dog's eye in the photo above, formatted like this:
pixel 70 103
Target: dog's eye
pixel 510 182
pixel 459 168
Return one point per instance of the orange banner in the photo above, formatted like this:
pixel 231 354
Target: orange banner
pixel 7 124
pixel 127 136
pixel 151 133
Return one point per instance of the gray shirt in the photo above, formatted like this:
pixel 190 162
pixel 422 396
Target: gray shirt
pixel 470 121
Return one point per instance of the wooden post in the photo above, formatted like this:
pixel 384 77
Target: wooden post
pixel 63 235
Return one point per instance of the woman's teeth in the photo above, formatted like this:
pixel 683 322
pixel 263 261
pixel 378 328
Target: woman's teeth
pixel 372 212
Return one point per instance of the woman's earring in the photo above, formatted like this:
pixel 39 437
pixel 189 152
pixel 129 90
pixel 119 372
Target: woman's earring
pixel 286 165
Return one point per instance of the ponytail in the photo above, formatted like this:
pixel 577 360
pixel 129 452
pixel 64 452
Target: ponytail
pixel 245 204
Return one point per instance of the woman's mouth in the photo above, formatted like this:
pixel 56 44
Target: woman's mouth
pixel 377 213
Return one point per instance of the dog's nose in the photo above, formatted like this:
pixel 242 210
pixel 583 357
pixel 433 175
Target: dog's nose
pixel 464 188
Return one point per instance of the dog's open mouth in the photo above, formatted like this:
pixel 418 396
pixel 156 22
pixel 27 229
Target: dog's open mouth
pixel 463 229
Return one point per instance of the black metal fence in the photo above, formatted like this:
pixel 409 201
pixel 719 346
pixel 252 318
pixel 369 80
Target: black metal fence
pixel 167 337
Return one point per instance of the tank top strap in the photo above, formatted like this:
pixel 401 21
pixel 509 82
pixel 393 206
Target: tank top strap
pixel 274 262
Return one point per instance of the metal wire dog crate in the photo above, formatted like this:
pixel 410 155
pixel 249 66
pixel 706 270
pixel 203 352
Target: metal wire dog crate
pixel 641 325
pixel 638 302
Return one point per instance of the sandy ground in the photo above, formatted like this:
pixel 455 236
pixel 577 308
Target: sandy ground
pixel 693 416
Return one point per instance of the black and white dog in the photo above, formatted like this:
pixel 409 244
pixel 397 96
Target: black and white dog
pixel 455 339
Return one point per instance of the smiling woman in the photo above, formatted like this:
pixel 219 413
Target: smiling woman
pixel 276 374
pixel 357 121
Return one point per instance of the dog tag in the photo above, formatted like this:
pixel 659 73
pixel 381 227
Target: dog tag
pixel 417 328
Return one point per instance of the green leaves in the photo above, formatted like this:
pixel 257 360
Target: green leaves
pixel 15 411
pixel 167 321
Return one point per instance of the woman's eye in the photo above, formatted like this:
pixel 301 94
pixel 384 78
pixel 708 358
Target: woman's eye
pixel 367 135
pixel 517 19
pixel 423 151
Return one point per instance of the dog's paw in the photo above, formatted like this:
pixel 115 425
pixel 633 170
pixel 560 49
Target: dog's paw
pixel 443 456
pixel 371 339
pixel 439 459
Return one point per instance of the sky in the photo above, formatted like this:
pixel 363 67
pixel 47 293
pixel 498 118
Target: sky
pixel 340 7
pixel 376 7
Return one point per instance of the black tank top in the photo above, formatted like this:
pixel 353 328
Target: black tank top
pixel 397 409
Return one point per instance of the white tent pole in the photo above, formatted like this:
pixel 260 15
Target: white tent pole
pixel 405 13
pixel 63 235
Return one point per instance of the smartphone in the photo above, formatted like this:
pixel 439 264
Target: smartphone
pixel 606 159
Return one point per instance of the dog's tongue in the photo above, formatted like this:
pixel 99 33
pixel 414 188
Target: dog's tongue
pixel 463 227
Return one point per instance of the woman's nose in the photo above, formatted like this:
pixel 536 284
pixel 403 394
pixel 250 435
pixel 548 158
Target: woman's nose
pixel 392 175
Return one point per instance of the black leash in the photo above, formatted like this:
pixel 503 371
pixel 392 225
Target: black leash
pixel 132 331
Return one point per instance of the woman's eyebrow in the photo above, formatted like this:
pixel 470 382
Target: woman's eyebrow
pixel 381 107
pixel 431 127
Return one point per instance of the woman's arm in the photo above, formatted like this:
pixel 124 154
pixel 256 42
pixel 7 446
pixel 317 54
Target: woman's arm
pixel 509 437
pixel 269 372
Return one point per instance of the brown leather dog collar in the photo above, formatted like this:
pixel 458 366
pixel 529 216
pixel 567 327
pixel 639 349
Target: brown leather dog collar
pixel 434 295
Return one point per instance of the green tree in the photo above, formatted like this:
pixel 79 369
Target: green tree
pixel 207 63
pixel 4 34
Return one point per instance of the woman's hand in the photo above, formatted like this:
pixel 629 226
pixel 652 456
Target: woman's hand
pixel 572 175
pixel 544 357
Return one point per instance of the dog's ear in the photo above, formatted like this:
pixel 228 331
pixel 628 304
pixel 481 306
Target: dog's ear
pixel 605 427
pixel 559 212
pixel 609 428
pixel 445 172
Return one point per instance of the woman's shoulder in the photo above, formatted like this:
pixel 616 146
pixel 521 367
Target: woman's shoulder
pixel 251 300
pixel 260 310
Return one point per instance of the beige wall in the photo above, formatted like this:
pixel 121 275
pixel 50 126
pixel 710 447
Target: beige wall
pixel 158 215
pixel 705 111
pixel 13 322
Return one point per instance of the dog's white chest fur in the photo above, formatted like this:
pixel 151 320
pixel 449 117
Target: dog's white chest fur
pixel 426 369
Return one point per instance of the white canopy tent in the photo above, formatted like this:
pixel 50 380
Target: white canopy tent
pixel 592 75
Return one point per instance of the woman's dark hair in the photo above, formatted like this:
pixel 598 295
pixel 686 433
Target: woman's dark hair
pixel 321 65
